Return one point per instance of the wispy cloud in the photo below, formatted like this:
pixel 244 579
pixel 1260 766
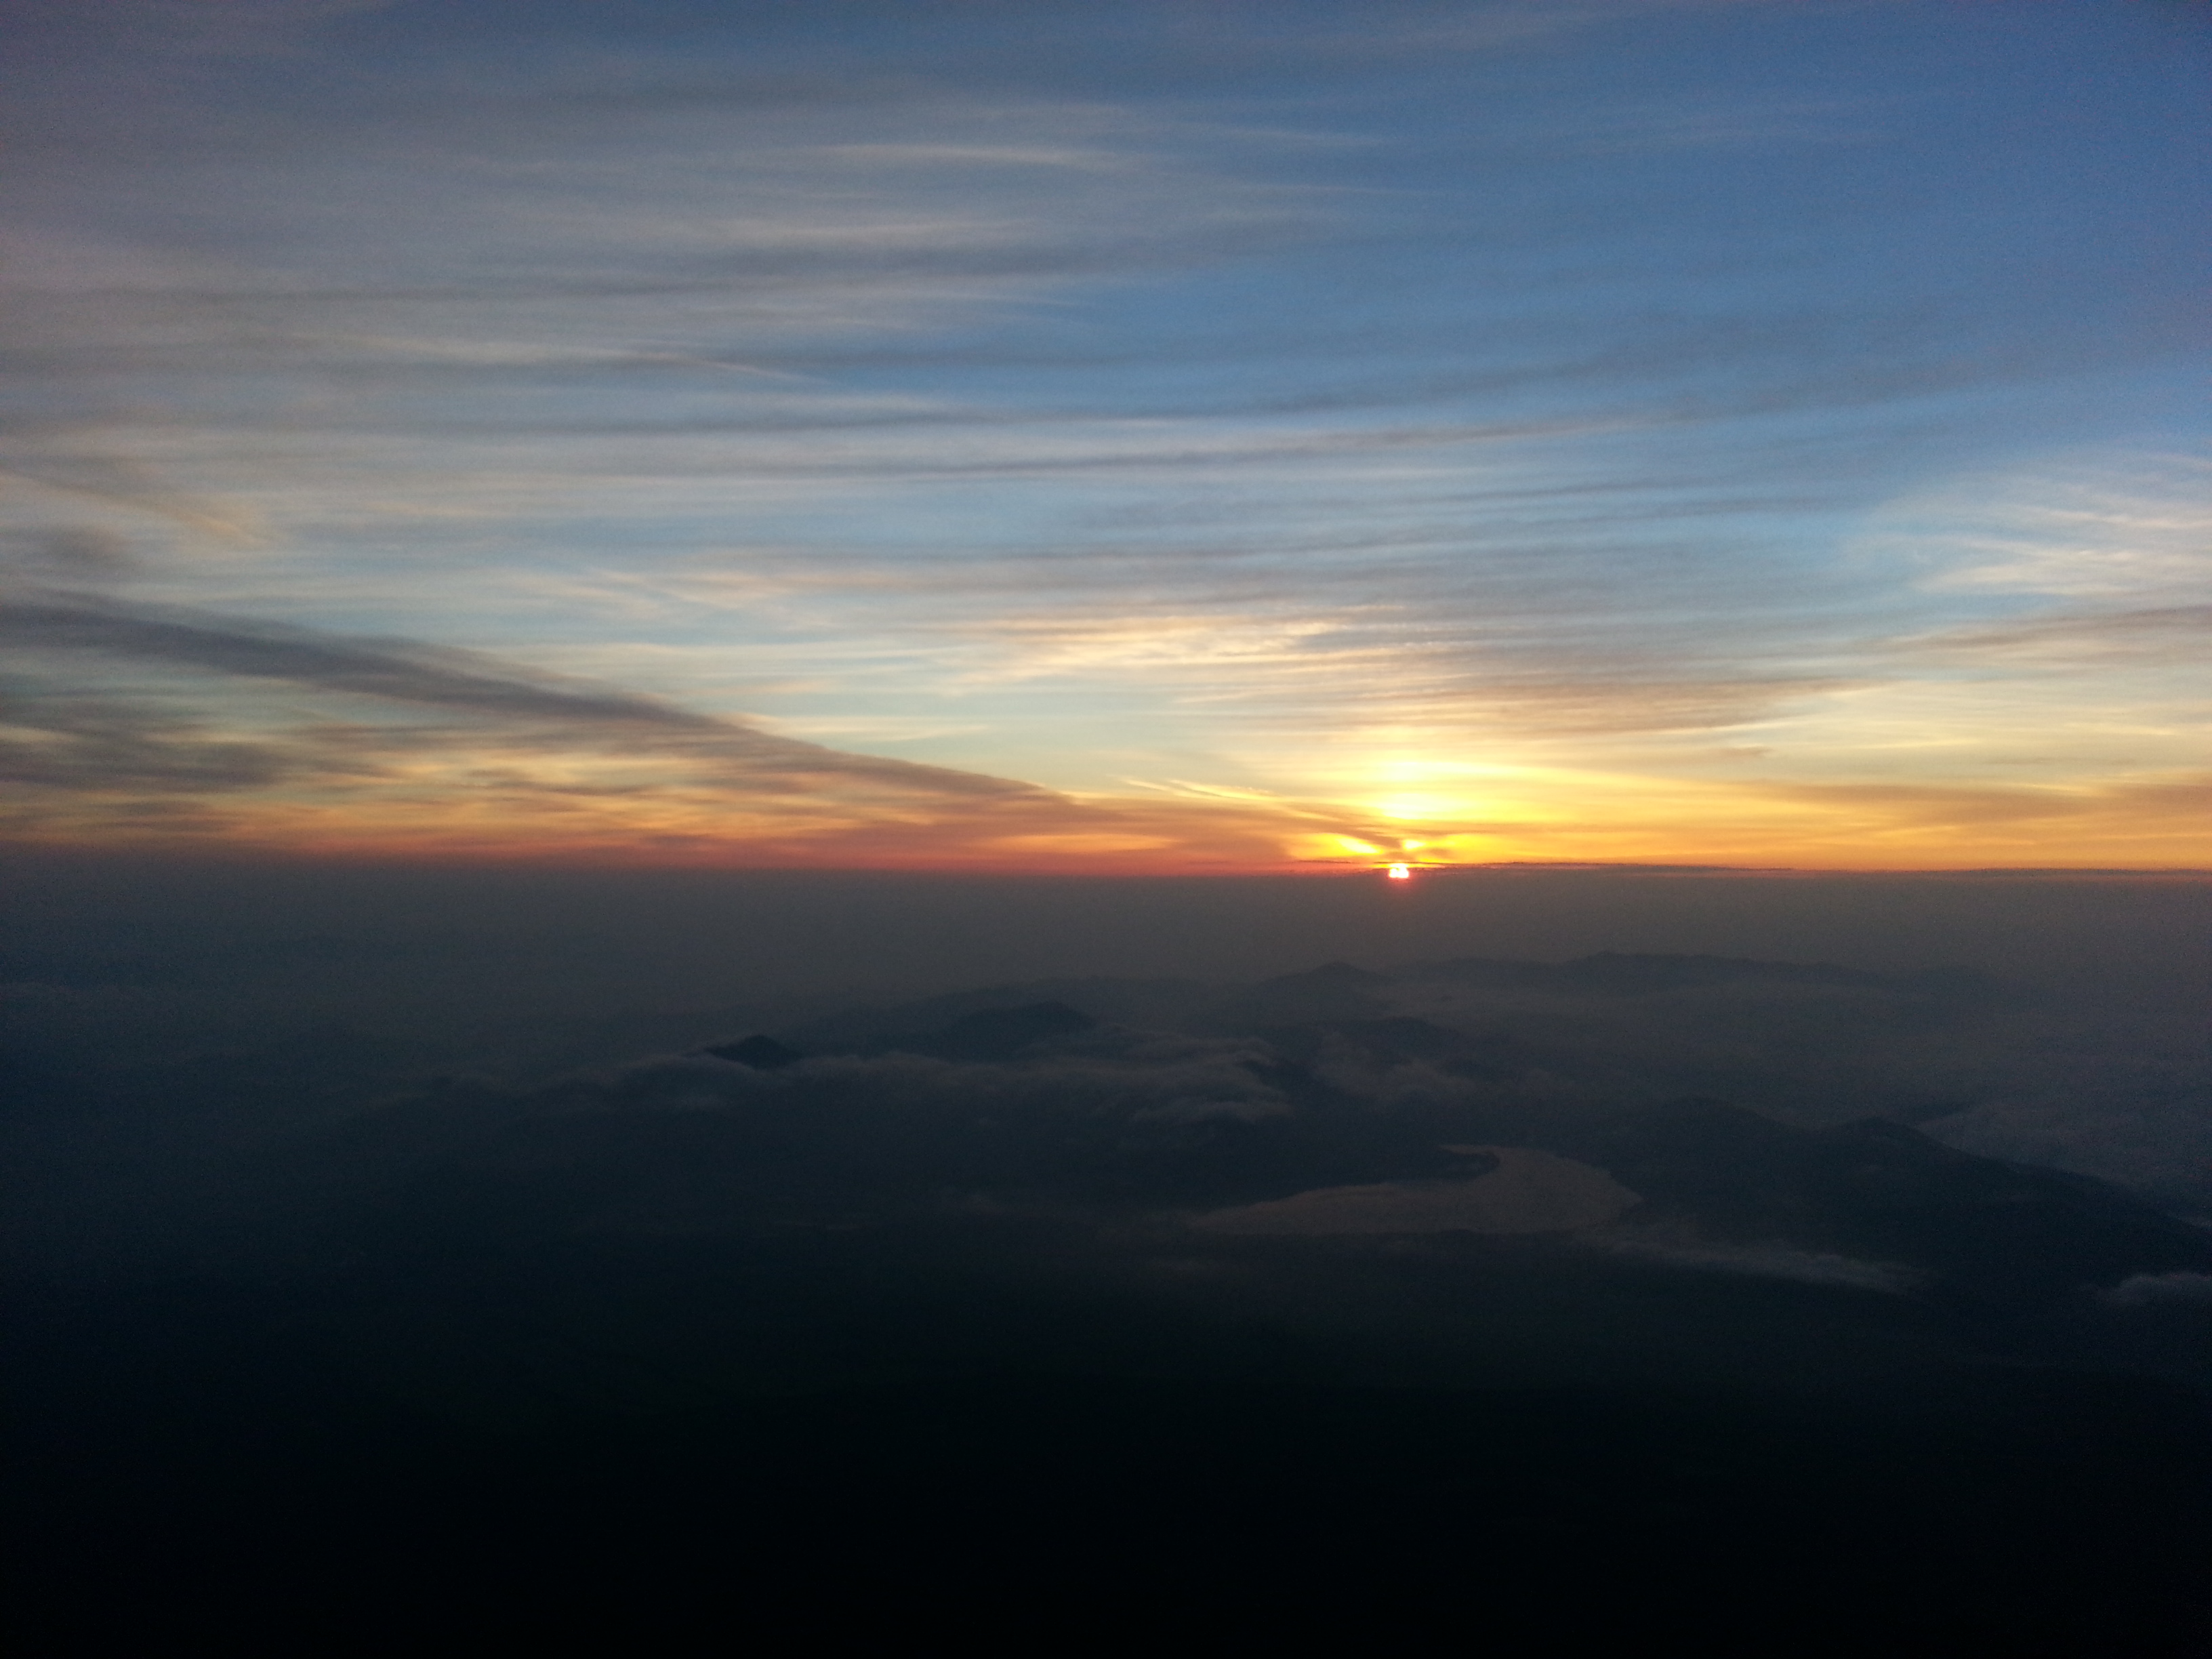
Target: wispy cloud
pixel 510 759
pixel 1767 1261
pixel 220 28
pixel 464 683
pixel 2146 637
pixel 1573 394
pixel 2109 528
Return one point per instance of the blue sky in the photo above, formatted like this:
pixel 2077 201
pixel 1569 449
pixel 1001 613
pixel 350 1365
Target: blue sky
pixel 1211 433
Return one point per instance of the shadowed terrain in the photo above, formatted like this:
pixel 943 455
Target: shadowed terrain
pixel 1328 1297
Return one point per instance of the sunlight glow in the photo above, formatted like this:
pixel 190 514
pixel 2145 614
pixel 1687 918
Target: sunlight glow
pixel 1412 807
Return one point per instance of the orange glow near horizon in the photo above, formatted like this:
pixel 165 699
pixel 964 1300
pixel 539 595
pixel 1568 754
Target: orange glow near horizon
pixel 450 814
pixel 707 794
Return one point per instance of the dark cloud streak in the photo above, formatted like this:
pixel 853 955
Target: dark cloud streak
pixel 443 677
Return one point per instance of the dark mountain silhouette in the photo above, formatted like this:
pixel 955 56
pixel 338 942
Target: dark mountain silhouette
pixel 1336 990
pixel 995 1033
pixel 1875 1190
pixel 1610 973
pixel 512 1343
pixel 763 1053
pixel 1146 1002
pixel 1402 1039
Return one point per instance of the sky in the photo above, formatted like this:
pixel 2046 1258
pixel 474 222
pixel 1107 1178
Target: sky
pixel 1168 437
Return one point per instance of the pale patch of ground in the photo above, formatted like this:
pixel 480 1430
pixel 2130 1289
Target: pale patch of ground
pixel 1528 1191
